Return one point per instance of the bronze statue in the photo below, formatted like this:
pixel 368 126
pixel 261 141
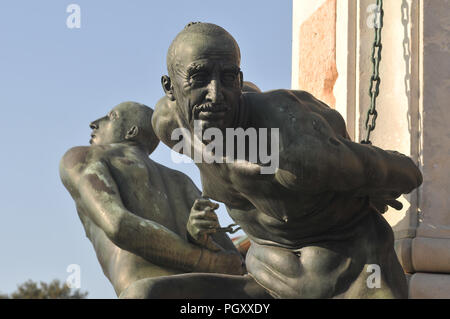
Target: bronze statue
pixel 136 212
pixel 315 223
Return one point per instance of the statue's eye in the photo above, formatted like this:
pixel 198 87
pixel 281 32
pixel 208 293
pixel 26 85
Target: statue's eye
pixel 199 77
pixel 229 77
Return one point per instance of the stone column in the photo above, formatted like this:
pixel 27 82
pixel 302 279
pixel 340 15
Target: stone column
pixel 314 32
pixel 413 113
pixel 397 125
pixel 431 246
pixel 413 119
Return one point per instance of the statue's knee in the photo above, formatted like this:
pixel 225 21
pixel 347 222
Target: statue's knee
pixel 136 290
pixel 143 289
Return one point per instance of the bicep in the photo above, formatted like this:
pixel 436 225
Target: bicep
pixel 336 122
pixel 319 160
pixel 100 198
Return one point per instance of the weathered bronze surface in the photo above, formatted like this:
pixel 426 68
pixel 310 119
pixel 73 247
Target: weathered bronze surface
pixel 315 224
pixel 136 212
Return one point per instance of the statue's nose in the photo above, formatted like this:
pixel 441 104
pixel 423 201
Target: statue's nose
pixel 214 92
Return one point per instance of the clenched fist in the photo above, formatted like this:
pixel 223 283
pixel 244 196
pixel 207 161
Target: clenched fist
pixel 202 223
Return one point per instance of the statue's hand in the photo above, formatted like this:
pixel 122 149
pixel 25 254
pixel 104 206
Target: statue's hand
pixel 202 223
pixel 411 176
pixel 381 203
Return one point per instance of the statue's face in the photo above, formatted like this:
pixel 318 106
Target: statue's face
pixel 109 129
pixel 207 83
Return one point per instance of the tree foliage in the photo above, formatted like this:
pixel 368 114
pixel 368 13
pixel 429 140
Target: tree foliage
pixel 53 290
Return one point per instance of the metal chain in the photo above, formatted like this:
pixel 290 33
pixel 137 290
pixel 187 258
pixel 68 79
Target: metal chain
pixel 229 229
pixel 375 79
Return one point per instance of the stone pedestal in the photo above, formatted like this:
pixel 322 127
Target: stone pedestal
pixel 414 116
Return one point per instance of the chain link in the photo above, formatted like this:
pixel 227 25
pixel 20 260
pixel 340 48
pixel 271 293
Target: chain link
pixel 374 88
pixel 229 229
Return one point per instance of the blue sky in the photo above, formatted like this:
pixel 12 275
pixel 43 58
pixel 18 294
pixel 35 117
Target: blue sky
pixel 55 80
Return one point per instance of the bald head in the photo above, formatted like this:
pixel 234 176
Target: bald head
pixel 205 78
pixel 139 115
pixel 127 121
pixel 201 37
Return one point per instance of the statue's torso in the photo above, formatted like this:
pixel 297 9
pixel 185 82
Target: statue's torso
pixel 268 211
pixel 305 244
pixel 150 191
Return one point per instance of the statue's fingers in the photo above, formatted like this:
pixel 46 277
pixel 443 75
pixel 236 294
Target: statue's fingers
pixel 380 206
pixel 203 203
pixel 206 214
pixel 207 232
pixel 210 214
pixel 206 226
pixel 200 203
pixel 395 204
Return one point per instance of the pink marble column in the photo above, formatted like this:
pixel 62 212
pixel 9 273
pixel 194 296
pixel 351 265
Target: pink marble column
pixel 317 53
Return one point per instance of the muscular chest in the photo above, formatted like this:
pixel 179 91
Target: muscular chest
pixel 225 183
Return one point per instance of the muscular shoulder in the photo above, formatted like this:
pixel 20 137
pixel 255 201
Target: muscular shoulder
pixel 77 159
pixel 294 104
pixel 164 119
pixel 79 156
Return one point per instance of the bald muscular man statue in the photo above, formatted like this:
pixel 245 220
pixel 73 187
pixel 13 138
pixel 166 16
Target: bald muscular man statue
pixel 315 222
pixel 136 212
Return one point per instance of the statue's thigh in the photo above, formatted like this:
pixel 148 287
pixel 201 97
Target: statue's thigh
pixel 195 286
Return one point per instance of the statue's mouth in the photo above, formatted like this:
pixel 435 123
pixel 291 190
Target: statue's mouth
pixel 92 138
pixel 210 111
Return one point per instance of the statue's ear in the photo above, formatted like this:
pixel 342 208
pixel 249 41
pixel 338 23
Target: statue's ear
pixel 241 78
pixel 167 87
pixel 132 132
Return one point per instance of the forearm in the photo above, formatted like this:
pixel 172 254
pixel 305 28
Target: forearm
pixel 160 245
pixel 386 173
pixel 220 239
pixel 340 165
